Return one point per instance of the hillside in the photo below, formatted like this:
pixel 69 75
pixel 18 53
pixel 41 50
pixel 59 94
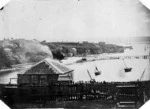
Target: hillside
pixel 19 51
pixel 60 49
pixel 23 51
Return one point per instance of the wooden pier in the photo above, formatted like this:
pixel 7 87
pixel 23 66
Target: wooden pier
pixel 118 57
pixel 109 57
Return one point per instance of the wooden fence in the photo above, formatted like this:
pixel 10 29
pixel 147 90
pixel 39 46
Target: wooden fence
pixel 113 91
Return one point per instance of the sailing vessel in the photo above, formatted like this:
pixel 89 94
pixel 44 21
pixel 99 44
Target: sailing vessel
pixel 84 58
pixel 127 69
pixel 97 72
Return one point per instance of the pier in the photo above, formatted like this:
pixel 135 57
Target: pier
pixel 92 58
pixel 125 57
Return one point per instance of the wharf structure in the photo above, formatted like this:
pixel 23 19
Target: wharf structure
pixel 48 80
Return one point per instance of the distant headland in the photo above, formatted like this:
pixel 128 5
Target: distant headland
pixel 19 51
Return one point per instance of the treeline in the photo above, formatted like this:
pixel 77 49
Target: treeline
pixel 62 49
pixel 19 51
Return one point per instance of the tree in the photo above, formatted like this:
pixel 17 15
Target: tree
pixel 57 54
pixel 4 60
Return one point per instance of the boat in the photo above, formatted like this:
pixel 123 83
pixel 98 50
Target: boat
pixel 84 58
pixel 97 72
pixel 127 69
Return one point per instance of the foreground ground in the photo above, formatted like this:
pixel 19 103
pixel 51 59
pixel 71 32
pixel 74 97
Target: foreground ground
pixel 94 104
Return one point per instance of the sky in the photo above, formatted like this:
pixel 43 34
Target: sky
pixel 73 20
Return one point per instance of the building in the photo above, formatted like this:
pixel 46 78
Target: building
pixel 45 72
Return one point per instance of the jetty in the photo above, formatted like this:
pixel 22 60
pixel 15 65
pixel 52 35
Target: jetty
pixel 109 57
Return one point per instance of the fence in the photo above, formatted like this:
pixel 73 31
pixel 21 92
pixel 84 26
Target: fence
pixel 113 91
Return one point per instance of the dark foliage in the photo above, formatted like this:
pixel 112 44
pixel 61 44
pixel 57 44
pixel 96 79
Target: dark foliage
pixel 60 48
pixel 4 60
pixel 57 54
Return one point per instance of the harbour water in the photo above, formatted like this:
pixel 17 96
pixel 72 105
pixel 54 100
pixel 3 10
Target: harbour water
pixel 111 70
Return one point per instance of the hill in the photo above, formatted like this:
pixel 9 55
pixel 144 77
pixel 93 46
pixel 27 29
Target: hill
pixel 61 49
pixel 20 51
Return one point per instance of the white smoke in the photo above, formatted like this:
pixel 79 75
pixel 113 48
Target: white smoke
pixel 36 47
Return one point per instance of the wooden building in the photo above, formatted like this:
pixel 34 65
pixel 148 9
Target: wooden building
pixel 45 72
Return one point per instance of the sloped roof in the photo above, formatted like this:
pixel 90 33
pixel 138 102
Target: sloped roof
pixel 55 66
pixel 65 78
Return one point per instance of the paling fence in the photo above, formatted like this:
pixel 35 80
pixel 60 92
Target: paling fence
pixel 113 91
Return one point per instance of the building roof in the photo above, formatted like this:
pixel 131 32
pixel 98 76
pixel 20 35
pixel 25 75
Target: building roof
pixel 49 65
pixel 65 78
